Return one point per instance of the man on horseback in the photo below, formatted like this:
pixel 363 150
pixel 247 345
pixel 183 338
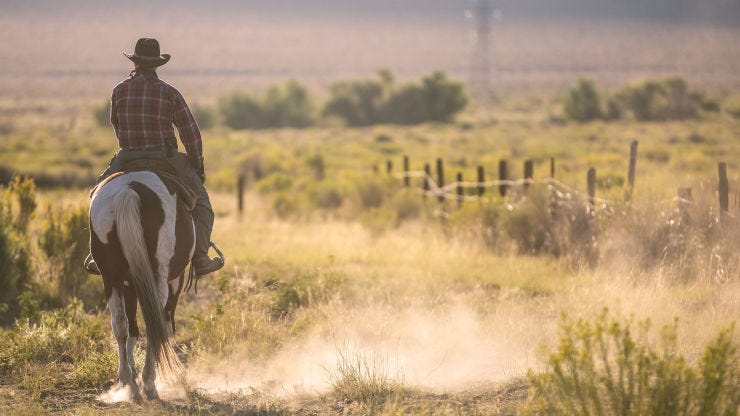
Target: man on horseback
pixel 143 111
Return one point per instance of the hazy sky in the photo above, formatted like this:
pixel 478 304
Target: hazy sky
pixel 75 46
pixel 725 11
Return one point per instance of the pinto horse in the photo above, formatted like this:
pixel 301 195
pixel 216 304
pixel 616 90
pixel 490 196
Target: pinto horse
pixel 142 237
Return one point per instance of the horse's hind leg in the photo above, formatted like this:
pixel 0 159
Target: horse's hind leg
pixel 148 375
pixel 119 322
pixel 129 295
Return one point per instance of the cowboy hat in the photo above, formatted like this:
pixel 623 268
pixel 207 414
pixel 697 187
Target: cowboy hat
pixel 146 54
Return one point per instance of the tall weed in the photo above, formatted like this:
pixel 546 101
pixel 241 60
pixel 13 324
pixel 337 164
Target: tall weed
pixel 359 378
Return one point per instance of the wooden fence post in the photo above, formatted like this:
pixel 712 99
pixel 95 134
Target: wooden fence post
pixel 502 176
pixel 724 191
pixel 406 179
pixel 240 193
pixel 552 168
pixel 631 172
pixel 427 175
pixel 528 174
pixel 481 179
pixel 258 173
pixel 591 186
pixel 684 200
pixel 440 179
pixel 460 196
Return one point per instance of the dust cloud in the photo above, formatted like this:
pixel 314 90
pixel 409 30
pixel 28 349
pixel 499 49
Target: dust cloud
pixel 445 349
pixel 462 344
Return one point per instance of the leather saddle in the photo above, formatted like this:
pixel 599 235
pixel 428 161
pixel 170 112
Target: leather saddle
pixel 166 173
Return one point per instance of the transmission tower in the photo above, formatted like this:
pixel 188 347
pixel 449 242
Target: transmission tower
pixel 480 68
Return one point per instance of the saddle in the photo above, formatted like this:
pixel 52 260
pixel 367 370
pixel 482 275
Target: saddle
pixel 161 168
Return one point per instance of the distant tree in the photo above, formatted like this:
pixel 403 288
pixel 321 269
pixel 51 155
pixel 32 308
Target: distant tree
pixel 362 103
pixel 359 103
pixel 406 106
pixel 290 105
pixel 582 102
pixel 443 98
pixel 666 99
pixel 240 111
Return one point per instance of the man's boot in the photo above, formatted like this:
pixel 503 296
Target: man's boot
pixel 204 264
pixel 203 219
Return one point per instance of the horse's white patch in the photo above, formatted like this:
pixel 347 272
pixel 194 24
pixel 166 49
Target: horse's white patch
pixel 166 240
pixel 102 217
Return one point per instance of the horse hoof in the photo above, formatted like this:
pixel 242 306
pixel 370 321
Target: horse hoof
pixel 151 394
pixel 136 396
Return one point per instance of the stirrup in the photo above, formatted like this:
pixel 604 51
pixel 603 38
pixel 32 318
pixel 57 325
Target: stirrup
pixel 91 266
pixel 193 278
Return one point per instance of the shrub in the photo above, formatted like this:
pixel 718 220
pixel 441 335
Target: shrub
pixel 288 106
pixel 284 205
pixel 101 114
pixel 6 127
pixel 546 222
pixel 667 99
pixel 362 103
pixel 318 166
pixel 303 290
pixel 686 244
pixel 276 182
pixel 204 116
pixel 407 204
pixel 407 106
pixel 582 102
pixel 240 111
pixel 280 106
pixel 358 103
pixel 371 193
pixel 64 239
pixel 732 106
pixel 17 206
pixel 325 195
pixel 605 367
pixel 443 98
pixel 478 221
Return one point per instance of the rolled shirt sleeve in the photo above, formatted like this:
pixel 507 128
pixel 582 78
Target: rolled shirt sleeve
pixel 188 129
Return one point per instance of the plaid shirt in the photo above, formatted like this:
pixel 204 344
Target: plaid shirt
pixel 143 110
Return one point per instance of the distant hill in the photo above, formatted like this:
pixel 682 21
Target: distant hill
pixel 724 11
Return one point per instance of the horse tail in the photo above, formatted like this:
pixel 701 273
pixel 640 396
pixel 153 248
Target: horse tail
pixel 127 208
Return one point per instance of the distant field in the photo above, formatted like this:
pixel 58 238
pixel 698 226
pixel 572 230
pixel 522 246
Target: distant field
pixel 79 54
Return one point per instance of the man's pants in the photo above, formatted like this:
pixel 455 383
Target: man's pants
pixel 202 213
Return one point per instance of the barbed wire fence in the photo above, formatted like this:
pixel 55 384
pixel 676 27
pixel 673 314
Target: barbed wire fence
pixel 459 190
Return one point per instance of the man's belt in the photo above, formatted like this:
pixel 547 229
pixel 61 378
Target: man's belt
pixel 148 149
